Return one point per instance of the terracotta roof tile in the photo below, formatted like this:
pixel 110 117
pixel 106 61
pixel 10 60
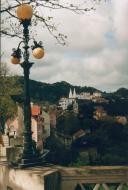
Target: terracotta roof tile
pixel 36 110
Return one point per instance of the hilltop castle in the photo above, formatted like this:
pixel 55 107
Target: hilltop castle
pixel 72 94
pixel 64 102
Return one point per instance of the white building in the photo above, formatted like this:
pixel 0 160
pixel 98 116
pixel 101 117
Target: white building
pixel 84 96
pixel 97 94
pixel 74 95
pixel 95 97
pixel 65 102
pixel 70 94
pixel 75 107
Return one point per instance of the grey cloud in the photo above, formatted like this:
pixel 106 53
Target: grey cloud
pixel 90 58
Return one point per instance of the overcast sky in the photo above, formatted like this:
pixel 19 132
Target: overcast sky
pixel 97 51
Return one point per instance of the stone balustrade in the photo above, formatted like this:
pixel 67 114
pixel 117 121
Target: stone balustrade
pixel 64 178
pixel 95 178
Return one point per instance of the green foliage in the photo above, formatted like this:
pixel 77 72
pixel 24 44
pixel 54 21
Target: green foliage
pixel 79 163
pixel 43 92
pixel 122 92
pixel 119 107
pixel 110 138
pixel 58 153
pixel 86 110
pixel 68 123
pixel 53 92
pixel 112 143
pixel 9 86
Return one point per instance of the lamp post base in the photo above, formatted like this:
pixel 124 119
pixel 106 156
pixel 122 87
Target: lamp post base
pixel 30 162
pixel 36 161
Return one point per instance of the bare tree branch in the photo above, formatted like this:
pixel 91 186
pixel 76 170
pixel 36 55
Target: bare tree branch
pixel 3 32
pixel 9 8
pixel 11 14
pixel 60 37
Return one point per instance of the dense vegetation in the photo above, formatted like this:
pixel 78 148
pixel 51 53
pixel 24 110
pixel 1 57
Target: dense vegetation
pixel 105 143
pixel 8 86
pixel 53 92
pixel 42 92
pixel 109 139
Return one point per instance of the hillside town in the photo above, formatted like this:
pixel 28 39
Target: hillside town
pixel 97 97
pixel 46 123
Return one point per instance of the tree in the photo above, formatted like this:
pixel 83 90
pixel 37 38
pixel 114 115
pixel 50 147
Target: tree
pixel 8 86
pixel 58 154
pixel 10 26
pixel 68 123
pixel 111 142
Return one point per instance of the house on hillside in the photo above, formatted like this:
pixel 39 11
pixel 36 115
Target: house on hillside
pixel 63 103
pixel 121 120
pixel 84 96
pixel 100 113
pixel 97 94
pixel 99 100
pixel 40 125
pixel 75 107
pixel 37 125
pixel 12 124
pixel 53 115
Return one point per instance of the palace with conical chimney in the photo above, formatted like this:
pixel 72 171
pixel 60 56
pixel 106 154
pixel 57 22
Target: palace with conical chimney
pixel 65 102
pixel 72 98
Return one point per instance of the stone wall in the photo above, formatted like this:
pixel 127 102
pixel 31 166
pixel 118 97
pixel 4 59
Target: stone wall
pixel 99 177
pixel 63 178
pixel 37 178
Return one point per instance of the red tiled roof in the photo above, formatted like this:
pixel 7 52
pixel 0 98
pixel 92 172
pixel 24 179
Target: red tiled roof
pixel 100 110
pixel 36 110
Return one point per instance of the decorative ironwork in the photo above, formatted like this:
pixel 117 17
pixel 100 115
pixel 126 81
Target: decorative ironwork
pixel 103 186
pixel 36 45
pixel 30 155
pixel 16 53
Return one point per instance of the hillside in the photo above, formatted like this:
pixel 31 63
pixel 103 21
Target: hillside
pixel 122 92
pixel 42 92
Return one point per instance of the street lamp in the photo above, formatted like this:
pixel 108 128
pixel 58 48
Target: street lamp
pixel 24 13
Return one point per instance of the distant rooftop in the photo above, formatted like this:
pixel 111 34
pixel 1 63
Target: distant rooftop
pixel 35 110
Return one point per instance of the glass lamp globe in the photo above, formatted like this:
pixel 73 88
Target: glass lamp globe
pixel 15 60
pixel 38 53
pixel 24 12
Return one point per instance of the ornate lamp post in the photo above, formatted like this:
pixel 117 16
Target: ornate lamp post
pixel 24 13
